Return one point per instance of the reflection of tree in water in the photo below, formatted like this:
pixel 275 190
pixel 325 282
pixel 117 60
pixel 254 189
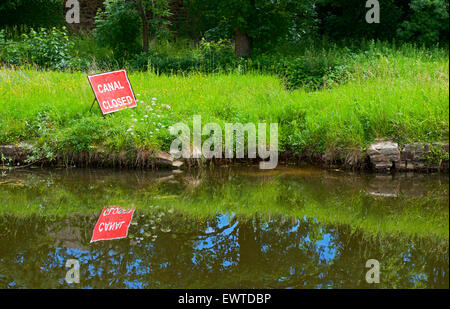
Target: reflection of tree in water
pixel 177 251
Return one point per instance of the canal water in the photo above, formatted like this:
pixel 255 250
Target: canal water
pixel 225 227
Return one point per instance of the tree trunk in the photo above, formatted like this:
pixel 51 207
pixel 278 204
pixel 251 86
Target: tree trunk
pixel 243 44
pixel 145 30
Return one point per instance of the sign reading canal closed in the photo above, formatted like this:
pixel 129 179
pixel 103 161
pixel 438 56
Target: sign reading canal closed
pixel 112 224
pixel 113 91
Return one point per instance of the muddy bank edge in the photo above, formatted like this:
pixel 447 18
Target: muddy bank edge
pixel 382 156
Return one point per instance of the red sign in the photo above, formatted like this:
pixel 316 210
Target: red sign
pixel 113 91
pixel 113 223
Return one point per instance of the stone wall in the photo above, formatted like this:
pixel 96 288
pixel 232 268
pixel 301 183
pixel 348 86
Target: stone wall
pixel 382 156
pixel 387 156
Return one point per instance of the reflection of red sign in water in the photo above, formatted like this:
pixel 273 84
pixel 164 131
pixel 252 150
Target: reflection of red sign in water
pixel 113 91
pixel 113 223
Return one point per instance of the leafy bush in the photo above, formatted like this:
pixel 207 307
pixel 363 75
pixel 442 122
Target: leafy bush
pixel 428 22
pixel 210 57
pixel 161 63
pixel 311 72
pixel 220 51
pixel 12 52
pixel 219 32
pixel 160 22
pixel 82 134
pixel 50 48
pixel 47 48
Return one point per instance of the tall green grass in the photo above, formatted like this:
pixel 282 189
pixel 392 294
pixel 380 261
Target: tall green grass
pixel 396 93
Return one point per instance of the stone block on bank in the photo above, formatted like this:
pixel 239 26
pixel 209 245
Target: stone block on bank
pixel 422 156
pixel 419 156
pixel 384 155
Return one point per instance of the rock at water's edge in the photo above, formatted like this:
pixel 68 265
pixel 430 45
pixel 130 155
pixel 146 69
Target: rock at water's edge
pixel 384 155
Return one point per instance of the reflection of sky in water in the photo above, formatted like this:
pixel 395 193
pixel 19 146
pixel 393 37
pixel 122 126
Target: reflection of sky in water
pixel 324 244
pixel 326 248
pixel 263 246
pixel 134 284
pixel 216 249
pixel 208 243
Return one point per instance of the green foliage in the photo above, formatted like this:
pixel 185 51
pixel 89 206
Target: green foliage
pixel 12 52
pixel 220 32
pixel 264 21
pixel 159 21
pixel 210 56
pixel 50 48
pixel 118 27
pixel 269 22
pixel 304 20
pixel 310 71
pixel 34 13
pixel 346 19
pixel 220 49
pixel 81 134
pixel 428 22
pixel 46 48
pixel 379 91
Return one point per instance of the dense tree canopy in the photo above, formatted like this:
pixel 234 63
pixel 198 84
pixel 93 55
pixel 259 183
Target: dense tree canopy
pixel 133 25
pixel 31 12
pixel 251 22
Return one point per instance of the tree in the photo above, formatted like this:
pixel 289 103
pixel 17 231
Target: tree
pixel 35 13
pixel 155 19
pixel 252 23
pixel 145 29
pixel 119 24
pixel 427 23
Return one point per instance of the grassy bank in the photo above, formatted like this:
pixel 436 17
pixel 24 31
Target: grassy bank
pixel 400 94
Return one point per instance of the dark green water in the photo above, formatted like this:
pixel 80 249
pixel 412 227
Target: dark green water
pixel 225 228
